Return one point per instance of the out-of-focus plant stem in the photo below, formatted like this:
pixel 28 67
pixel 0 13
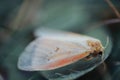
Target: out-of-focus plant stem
pixel 113 8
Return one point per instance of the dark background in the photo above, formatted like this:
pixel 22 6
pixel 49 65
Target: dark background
pixel 70 15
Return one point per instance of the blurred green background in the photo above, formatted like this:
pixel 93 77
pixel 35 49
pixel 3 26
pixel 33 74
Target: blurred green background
pixel 19 19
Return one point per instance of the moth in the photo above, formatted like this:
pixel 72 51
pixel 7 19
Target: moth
pixel 55 49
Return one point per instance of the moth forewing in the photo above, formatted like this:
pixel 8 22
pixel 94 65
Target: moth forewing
pixel 52 52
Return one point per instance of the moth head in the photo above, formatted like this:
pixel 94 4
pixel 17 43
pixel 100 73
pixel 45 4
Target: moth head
pixel 96 49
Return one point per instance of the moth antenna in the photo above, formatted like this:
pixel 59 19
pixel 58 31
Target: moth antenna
pixel 107 42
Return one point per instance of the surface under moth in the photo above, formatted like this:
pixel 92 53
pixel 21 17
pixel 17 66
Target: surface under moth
pixel 49 52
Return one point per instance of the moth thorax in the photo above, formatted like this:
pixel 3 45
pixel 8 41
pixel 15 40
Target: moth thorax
pixel 96 49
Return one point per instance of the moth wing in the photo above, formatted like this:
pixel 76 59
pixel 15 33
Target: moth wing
pixel 46 52
pixel 63 35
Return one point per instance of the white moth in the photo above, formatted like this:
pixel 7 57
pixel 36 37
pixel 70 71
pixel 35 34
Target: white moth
pixel 52 50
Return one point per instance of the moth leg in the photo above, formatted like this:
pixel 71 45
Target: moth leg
pixel 59 74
